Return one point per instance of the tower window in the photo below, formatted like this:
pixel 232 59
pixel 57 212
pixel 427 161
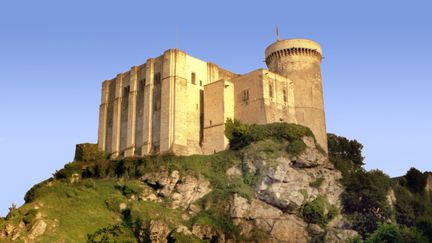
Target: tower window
pixel 284 95
pixel 126 91
pixel 245 95
pixel 157 78
pixel 193 78
pixel 200 82
pixel 271 90
pixel 141 85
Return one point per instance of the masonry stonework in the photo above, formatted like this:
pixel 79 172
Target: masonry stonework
pixel 176 103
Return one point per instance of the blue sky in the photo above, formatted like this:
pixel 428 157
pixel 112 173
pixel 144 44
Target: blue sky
pixel 55 54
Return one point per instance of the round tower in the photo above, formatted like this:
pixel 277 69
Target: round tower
pixel 300 61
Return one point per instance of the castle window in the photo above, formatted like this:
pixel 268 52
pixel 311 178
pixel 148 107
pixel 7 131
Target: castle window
pixel 126 91
pixel 141 84
pixel 284 95
pixel 193 78
pixel 200 82
pixel 271 90
pixel 245 95
pixel 157 78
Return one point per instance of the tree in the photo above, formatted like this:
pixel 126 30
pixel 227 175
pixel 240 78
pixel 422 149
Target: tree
pixel 416 180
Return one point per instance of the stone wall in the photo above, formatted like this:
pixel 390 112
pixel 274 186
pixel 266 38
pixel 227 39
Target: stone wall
pixel 218 107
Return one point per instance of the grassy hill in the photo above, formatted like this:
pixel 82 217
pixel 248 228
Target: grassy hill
pixel 274 184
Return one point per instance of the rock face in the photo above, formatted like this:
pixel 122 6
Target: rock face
pixel 429 183
pixel 288 182
pixel 158 231
pixel 285 183
pixel 182 191
pixel 38 229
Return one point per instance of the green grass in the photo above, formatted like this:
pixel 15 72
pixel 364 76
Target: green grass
pixel 76 210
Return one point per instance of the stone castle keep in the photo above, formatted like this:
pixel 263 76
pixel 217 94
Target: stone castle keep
pixel 178 103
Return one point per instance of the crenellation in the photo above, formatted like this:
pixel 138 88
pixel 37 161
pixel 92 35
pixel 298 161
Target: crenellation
pixel 176 103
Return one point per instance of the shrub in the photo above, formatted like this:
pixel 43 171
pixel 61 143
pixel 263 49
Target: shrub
pixel 386 233
pixel 365 197
pixel 88 152
pixel 424 223
pixel 129 188
pixel 319 211
pixel 32 194
pixel 412 235
pixel 237 133
pixel 416 180
pixel 110 234
pixel 340 147
pixel 241 134
pixel 317 183
pixel 405 213
pixel 296 147
pixel 30 216
pixel 218 221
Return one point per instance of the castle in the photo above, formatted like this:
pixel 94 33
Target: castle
pixel 176 103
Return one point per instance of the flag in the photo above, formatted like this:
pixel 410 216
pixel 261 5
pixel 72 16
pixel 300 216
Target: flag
pixel 277 32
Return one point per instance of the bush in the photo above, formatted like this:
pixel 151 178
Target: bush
pixel 317 183
pixel 405 213
pixel 296 147
pixel 365 198
pixel 412 235
pixel 386 233
pixel 416 180
pixel 32 194
pixel 30 216
pixel 319 211
pixel 340 147
pixel 88 152
pixel 129 188
pixel 110 234
pixel 240 134
pixel 424 224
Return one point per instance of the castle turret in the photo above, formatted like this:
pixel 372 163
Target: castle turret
pixel 300 60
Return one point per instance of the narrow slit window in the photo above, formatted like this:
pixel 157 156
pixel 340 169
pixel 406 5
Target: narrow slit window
pixel 157 79
pixel 193 78
pixel 141 85
pixel 126 91
pixel 245 95
pixel 271 90
pixel 284 95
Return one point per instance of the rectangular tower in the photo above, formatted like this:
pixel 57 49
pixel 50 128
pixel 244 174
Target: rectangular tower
pixel 157 107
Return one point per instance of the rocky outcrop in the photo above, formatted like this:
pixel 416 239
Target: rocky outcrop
pixel 285 183
pixel 429 183
pixel 158 231
pixel 334 235
pixel 37 229
pixel 207 233
pixel 181 190
pixel 288 182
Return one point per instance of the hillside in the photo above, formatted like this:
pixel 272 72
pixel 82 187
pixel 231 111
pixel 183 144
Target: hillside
pixel 274 185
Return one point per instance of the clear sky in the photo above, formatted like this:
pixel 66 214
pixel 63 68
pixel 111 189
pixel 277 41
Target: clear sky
pixel 55 54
